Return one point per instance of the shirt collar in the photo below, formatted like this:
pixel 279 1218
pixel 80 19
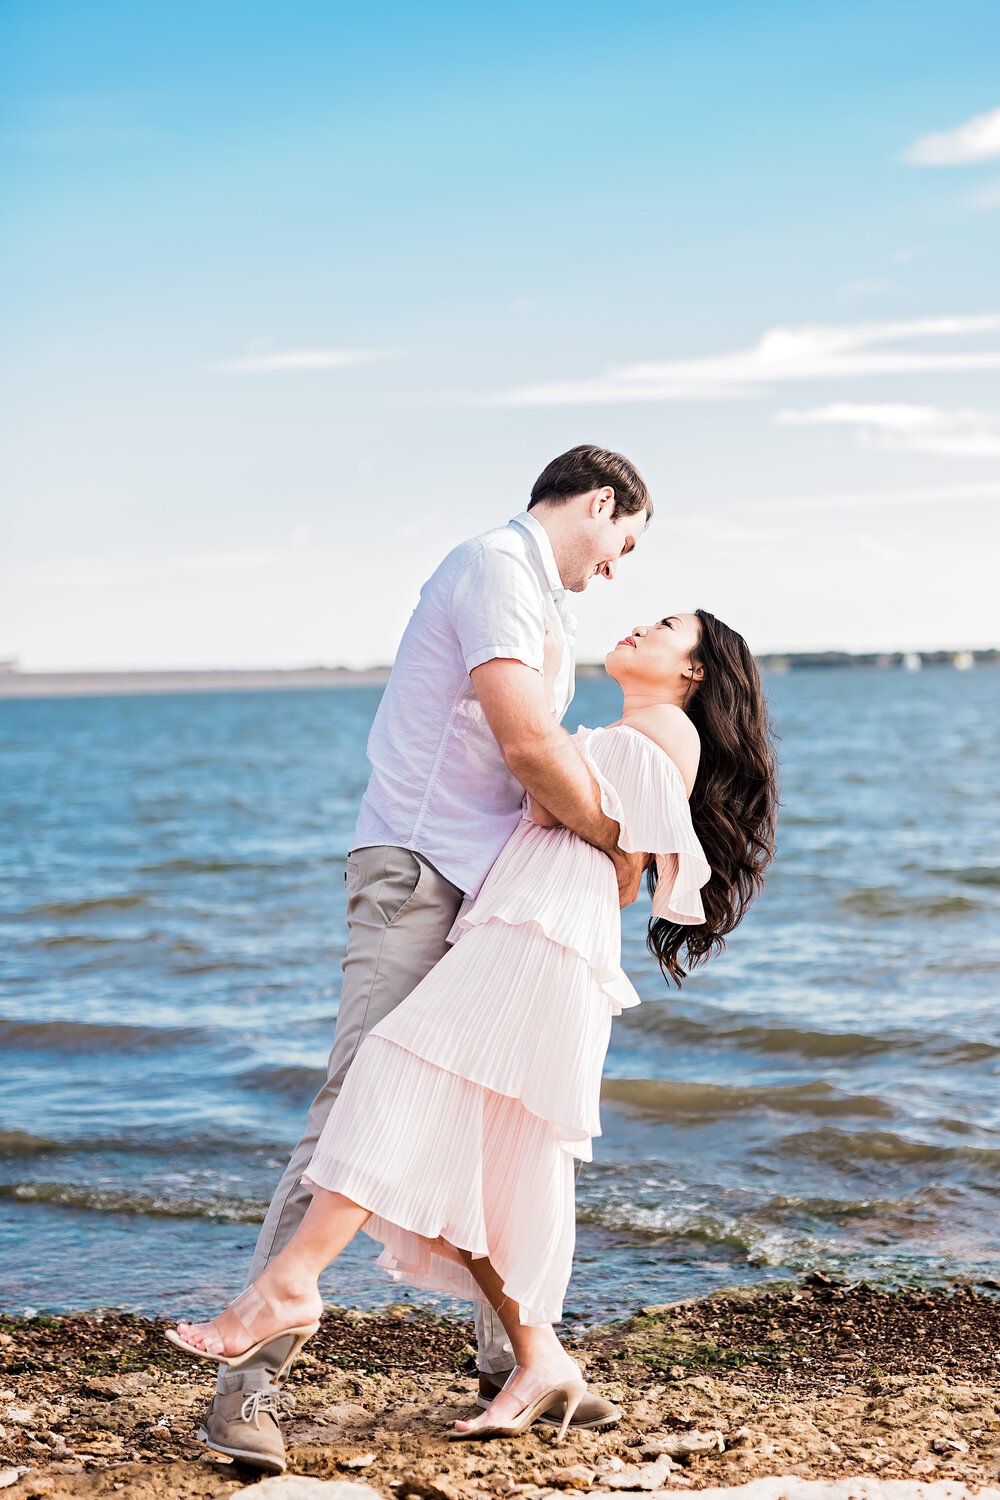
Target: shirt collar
pixel 543 546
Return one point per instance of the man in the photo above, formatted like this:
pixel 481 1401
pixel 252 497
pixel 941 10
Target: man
pixel 464 727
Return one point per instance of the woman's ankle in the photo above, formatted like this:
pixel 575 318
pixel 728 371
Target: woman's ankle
pixel 542 1350
pixel 287 1284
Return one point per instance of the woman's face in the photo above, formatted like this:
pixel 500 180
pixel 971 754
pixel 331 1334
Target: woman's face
pixel 657 656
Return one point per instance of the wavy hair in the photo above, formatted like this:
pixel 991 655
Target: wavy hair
pixel 734 803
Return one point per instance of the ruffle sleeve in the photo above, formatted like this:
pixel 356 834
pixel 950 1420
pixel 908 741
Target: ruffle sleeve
pixel 643 791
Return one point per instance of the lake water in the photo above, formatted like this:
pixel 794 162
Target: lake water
pixel 171 930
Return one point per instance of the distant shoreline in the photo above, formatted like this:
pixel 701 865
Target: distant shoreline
pixel 16 684
pixel 118 684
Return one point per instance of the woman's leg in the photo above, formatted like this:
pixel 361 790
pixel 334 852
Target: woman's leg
pixel 541 1358
pixel 287 1289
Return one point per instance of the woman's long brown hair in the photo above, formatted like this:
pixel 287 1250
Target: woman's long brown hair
pixel 734 803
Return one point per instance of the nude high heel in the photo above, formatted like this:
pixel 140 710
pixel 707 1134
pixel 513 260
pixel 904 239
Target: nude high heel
pixel 248 1307
pixel 571 1391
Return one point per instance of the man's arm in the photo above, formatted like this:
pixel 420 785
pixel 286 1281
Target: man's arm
pixel 548 765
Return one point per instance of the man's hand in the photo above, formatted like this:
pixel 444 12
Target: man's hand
pixel 629 871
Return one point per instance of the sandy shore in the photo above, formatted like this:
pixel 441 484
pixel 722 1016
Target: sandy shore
pixel 817 1380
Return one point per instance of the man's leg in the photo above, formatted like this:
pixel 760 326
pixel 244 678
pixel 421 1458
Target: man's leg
pixel 496 1356
pixel 399 913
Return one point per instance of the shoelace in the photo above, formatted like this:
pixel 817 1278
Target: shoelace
pixel 269 1401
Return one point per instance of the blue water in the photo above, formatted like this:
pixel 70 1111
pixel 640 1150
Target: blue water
pixel 171 930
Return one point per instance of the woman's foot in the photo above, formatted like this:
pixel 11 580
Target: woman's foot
pixel 525 1384
pixel 261 1313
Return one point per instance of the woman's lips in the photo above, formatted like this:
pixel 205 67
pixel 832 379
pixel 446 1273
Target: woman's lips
pixel 627 640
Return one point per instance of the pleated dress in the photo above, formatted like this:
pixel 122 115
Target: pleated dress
pixel 462 1112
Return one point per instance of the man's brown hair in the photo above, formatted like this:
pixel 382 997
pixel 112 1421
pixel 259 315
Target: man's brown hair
pixel 590 468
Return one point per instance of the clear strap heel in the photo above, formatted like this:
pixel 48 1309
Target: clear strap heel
pixel 250 1308
pixel 571 1392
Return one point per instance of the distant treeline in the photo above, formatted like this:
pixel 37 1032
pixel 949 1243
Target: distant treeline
pixel 783 661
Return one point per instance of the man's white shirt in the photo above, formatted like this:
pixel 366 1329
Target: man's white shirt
pixel 439 785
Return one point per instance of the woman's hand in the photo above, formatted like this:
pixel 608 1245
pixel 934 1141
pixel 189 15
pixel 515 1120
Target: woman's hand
pixel 539 815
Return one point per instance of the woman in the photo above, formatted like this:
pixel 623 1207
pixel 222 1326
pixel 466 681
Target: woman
pixel 498 1052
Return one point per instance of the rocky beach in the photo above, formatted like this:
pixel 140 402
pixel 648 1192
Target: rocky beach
pixel 810 1381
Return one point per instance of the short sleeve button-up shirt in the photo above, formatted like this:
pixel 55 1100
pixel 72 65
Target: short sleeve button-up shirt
pixel 439 785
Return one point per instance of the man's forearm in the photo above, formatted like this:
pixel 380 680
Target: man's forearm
pixel 545 761
pixel 556 776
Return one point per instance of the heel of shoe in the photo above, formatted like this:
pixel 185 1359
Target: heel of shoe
pixel 300 1341
pixel 572 1395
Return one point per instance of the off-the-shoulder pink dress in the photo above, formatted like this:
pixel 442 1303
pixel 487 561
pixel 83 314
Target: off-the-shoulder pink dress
pixel 462 1112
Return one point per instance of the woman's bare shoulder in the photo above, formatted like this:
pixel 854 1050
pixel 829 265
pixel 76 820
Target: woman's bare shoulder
pixel 671 729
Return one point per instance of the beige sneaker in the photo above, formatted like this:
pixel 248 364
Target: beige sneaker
pixel 591 1411
pixel 244 1425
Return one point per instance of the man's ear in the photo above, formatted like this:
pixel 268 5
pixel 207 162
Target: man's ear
pixel 602 502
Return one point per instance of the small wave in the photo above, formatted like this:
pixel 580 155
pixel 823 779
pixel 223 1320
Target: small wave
pixel 78 940
pixel 220 1143
pixel 986 875
pixel 882 903
pixel 123 1201
pixel 679 1224
pixel 844 1147
pixel 92 1036
pixel 760 1037
pixel 758 1245
pixel 19 1143
pixel 154 936
pixel 220 866
pixel 686 1102
pixel 805 1042
pixel 963 1052
pixel 295 1082
pixel 127 901
pixel 779 1231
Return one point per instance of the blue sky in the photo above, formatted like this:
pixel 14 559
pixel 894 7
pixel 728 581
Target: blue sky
pixel 296 296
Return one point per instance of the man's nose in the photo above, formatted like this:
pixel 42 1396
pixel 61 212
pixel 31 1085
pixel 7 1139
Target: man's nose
pixel 608 570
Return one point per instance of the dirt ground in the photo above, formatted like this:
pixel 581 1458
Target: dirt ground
pixel 817 1380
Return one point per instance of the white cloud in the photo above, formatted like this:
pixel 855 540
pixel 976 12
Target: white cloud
pixel 808 352
pixel 977 139
pixel 951 494
pixel 912 429
pixel 282 361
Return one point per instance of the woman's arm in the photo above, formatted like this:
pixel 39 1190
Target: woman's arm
pixel 673 731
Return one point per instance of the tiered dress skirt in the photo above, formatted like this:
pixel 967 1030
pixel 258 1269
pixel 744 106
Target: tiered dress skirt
pixel 462 1113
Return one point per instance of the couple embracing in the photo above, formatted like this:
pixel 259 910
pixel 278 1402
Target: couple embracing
pixel 491 858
